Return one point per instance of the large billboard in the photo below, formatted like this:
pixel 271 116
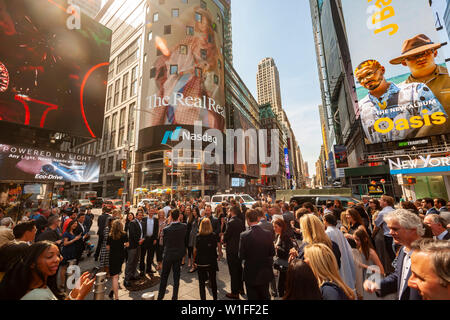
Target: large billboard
pixel 398 58
pixel 34 164
pixel 52 73
pixel 184 76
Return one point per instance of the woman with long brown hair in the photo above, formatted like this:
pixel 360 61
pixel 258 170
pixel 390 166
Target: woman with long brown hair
pixel 324 266
pixel 283 244
pixel 116 244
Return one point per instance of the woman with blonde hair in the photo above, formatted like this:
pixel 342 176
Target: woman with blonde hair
pixel 116 244
pixel 313 231
pixel 324 265
pixel 205 257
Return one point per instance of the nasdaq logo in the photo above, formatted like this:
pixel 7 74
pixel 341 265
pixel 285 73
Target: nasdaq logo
pixel 172 135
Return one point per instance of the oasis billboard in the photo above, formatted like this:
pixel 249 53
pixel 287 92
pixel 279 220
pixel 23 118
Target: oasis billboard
pixel 399 65
pixel 34 164
pixel 184 76
pixel 52 74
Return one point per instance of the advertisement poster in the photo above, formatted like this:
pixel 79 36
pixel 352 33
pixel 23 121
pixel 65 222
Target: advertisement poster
pixel 403 85
pixel 37 47
pixel 340 156
pixel 286 163
pixel 186 74
pixel 32 164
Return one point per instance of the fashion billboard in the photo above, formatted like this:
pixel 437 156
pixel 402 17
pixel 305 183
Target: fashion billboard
pixel 52 74
pixel 185 81
pixel 398 58
pixel 33 164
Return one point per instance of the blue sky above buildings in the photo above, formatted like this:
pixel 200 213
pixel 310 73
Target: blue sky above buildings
pixel 282 30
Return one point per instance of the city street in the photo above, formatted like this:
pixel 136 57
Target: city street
pixel 189 288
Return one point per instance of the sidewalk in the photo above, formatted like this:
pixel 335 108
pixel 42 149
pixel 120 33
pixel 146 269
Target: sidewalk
pixel 189 287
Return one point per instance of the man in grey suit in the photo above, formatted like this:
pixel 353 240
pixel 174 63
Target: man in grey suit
pixel 174 250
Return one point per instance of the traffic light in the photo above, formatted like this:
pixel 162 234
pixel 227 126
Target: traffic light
pixel 409 181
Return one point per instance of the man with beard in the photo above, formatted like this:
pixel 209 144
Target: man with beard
pixel 387 109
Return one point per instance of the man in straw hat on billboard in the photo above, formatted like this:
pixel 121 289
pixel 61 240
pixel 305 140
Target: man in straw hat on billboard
pixel 418 54
pixel 387 109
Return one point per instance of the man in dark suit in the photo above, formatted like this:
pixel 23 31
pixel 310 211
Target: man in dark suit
pixel 438 226
pixel 256 248
pixel 81 230
pixel 174 250
pixel 136 239
pixel 405 228
pixel 231 238
pixel 101 223
pixel 151 231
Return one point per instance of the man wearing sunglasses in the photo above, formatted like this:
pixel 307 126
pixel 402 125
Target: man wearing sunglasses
pixel 387 100
pixel 418 54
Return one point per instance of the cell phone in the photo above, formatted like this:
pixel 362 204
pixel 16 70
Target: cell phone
pixel 93 272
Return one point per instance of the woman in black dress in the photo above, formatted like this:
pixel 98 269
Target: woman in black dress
pixel 116 243
pixel 205 258
pixel 283 245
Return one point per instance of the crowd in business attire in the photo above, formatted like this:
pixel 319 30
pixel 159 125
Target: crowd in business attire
pixel 291 251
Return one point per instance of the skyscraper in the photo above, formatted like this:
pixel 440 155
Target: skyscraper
pixel 268 85
pixel 89 7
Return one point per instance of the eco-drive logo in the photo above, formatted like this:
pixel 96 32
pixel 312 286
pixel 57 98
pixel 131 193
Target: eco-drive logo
pixel 186 135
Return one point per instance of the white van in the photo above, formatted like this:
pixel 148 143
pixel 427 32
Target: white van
pixel 218 198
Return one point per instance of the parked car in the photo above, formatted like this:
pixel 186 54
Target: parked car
pixel 218 198
pixel 84 203
pixel 320 200
pixel 143 202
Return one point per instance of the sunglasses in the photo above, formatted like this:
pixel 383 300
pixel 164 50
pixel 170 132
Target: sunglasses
pixel 420 55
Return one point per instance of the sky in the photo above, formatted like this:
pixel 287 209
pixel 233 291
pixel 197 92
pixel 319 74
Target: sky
pixel 282 30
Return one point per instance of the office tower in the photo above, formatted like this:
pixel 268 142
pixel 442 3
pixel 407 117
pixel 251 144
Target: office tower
pixel 268 85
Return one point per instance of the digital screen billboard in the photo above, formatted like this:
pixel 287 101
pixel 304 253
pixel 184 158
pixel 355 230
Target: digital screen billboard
pixel 35 164
pixel 52 76
pixel 398 59
pixel 185 81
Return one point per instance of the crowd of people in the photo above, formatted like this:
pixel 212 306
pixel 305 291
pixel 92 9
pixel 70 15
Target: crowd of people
pixel 292 251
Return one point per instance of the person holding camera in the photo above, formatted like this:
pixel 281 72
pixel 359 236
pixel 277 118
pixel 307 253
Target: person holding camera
pixel 283 244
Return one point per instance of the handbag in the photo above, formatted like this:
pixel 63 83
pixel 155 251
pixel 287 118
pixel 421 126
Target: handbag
pixel 280 264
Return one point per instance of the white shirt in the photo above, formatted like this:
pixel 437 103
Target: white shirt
pixel 150 223
pixel 166 210
pixel 405 270
pixel 442 235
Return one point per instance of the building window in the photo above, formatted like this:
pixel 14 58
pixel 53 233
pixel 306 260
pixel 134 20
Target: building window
pixel 155 17
pixel 216 79
pixel 102 166
pixel 133 89
pixel 150 36
pixel 110 164
pixel 152 73
pixel 121 127
pixel 204 53
pixel 111 70
pixel 219 63
pixel 127 56
pixel 218 18
pixel 198 72
pixel 168 29
pixel 175 13
pixel 174 69
pixel 183 49
pixel 190 31
pixel 145 58
pixel 198 17
pixel 124 87
pixel 109 97
pixel 210 38
pixel 131 122
pixel 116 92
pixel 105 134
pixel 203 4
